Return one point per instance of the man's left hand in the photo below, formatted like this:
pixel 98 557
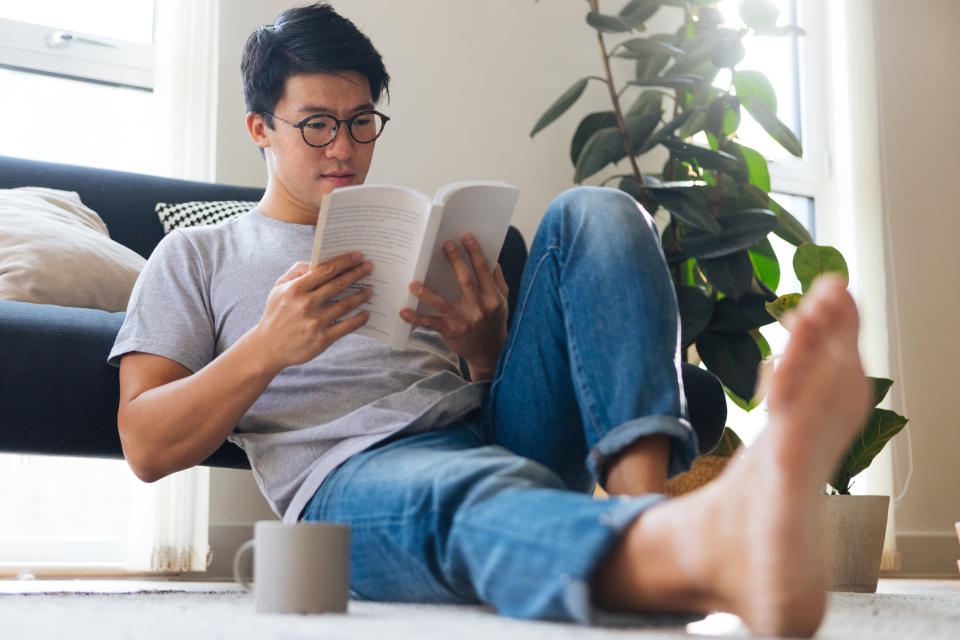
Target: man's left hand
pixel 476 326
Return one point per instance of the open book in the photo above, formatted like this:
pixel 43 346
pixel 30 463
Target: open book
pixel 401 231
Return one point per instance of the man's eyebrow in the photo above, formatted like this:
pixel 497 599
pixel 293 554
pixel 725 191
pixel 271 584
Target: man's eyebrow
pixel 367 106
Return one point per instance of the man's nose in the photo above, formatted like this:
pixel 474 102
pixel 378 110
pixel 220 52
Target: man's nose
pixel 342 145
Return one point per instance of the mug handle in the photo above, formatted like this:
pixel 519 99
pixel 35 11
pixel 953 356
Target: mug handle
pixel 236 564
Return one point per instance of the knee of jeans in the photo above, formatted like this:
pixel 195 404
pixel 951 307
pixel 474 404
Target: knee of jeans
pixel 602 213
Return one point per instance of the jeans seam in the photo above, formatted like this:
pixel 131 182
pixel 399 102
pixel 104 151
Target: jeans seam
pixel 522 307
pixel 575 361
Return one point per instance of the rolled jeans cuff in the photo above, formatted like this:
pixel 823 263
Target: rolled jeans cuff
pixel 578 599
pixel 683 444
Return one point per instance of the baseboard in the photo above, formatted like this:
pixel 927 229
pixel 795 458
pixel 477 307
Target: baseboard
pixel 926 555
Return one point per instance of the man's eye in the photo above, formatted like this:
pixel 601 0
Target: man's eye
pixel 317 126
pixel 362 122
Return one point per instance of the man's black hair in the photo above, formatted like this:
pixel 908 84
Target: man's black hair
pixel 312 39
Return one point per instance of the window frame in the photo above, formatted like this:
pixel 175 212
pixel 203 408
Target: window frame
pixel 30 47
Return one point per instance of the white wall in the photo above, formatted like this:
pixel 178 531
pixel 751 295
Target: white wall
pixel 917 52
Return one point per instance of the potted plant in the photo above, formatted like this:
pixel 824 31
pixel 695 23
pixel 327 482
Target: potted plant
pixel 712 196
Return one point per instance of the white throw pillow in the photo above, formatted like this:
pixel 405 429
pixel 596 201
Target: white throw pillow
pixel 200 213
pixel 56 250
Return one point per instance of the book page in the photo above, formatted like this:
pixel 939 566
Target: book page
pixel 482 208
pixel 386 224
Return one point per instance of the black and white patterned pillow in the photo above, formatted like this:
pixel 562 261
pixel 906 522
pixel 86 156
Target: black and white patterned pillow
pixel 197 214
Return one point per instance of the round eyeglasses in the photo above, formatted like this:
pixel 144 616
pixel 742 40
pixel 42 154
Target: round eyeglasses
pixel 321 130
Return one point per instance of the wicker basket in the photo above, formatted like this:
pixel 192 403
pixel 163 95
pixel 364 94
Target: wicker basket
pixel 704 469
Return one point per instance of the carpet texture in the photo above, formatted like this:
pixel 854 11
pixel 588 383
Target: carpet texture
pixel 227 613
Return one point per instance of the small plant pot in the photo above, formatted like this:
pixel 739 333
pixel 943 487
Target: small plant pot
pixel 854 528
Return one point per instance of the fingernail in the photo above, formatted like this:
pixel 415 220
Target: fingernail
pixel 415 287
pixel 448 246
pixel 469 239
pixel 357 256
pixel 367 267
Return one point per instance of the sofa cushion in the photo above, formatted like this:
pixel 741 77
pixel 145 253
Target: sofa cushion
pixel 55 250
pixel 194 214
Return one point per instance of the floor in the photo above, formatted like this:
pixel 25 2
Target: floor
pixel 159 608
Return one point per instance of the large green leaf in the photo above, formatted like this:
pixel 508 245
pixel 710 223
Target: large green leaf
pixel 788 227
pixel 779 307
pixel 649 100
pixel 880 427
pixel 603 147
pixel 759 13
pixel 588 126
pixel 766 265
pixel 671 82
pixel 723 116
pixel 696 309
pixel 706 158
pixel 668 129
pixel 756 85
pixel 728 445
pixel 735 315
pixel 686 208
pixel 739 230
pixel 732 357
pixel 643 47
pixel 728 54
pixel 640 126
pixel 730 274
pixel 607 24
pixel 767 119
pixel 880 388
pixel 757 171
pixel 637 12
pixel 563 103
pixel 811 261
pixel 652 65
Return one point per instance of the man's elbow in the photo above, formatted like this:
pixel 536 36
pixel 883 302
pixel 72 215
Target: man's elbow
pixel 142 467
pixel 142 461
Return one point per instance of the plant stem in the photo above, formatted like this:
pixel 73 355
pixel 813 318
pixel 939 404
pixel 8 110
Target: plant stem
pixel 621 123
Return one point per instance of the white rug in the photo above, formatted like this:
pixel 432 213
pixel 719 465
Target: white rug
pixel 214 610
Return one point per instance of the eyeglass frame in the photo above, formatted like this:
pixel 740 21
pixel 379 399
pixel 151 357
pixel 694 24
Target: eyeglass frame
pixel 336 129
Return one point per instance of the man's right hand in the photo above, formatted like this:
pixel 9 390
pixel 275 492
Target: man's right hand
pixel 299 323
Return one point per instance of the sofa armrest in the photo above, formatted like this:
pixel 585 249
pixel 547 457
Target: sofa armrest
pixel 58 395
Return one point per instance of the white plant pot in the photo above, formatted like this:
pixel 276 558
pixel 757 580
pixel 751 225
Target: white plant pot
pixel 854 528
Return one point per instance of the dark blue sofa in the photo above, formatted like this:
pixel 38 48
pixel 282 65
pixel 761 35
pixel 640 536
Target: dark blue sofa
pixel 58 395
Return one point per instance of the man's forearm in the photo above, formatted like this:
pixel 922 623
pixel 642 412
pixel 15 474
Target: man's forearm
pixel 179 424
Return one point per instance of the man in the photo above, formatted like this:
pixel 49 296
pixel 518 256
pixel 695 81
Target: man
pixel 462 491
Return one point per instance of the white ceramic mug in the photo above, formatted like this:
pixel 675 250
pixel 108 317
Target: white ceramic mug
pixel 298 568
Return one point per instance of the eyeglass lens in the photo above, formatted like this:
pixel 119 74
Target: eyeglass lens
pixel 364 127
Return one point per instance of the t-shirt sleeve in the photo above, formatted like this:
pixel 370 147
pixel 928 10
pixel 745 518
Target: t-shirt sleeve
pixel 169 311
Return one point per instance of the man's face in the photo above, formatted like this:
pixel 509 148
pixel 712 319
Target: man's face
pixel 303 174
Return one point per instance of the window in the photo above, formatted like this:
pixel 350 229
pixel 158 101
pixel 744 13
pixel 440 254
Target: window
pixel 95 40
pixel 79 89
pixel 77 80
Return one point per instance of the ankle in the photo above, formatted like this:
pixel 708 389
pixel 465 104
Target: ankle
pixel 640 468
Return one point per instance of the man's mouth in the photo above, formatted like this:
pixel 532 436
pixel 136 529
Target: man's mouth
pixel 339 178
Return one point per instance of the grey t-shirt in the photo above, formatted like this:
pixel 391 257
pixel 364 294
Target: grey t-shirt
pixel 204 287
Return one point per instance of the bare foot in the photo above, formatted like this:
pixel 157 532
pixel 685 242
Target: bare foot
pixel 749 542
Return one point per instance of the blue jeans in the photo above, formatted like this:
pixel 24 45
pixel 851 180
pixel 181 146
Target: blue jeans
pixel 497 508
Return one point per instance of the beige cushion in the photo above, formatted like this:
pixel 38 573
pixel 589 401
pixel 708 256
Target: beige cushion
pixel 55 250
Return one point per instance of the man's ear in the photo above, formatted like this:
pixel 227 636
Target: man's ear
pixel 257 128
